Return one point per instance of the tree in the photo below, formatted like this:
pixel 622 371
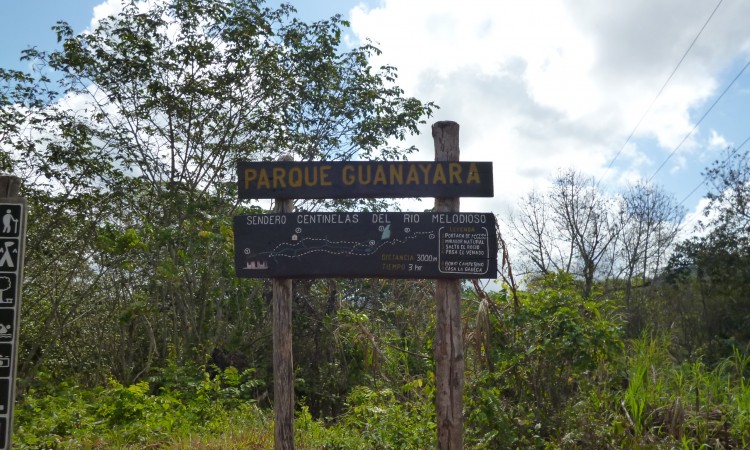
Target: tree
pixel 729 198
pixel 650 221
pixel 713 267
pixel 136 156
pixel 584 217
pixel 572 227
pixel 533 232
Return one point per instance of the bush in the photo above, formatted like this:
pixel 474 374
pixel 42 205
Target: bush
pixel 546 351
pixel 67 415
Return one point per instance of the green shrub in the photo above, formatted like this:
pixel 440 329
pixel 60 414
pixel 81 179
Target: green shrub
pixel 67 415
pixel 384 419
pixel 546 351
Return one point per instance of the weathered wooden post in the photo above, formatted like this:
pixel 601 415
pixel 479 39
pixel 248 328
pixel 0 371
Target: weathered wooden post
pixel 12 239
pixel 449 344
pixel 283 364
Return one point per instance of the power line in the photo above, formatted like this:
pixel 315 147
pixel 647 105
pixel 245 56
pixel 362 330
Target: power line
pixel 658 94
pixel 699 121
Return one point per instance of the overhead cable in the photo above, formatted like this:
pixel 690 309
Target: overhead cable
pixel 700 120
pixel 669 78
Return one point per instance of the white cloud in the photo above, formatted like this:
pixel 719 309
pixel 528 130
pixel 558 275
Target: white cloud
pixel 112 7
pixel 103 10
pixel 693 219
pixel 539 85
pixel 717 141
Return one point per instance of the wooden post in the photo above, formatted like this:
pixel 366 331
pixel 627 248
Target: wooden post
pixel 9 186
pixel 12 241
pixel 283 365
pixel 449 345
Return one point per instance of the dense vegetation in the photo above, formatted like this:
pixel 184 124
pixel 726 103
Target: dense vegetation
pixel 136 333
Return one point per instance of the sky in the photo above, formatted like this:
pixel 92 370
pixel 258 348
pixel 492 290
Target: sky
pixel 622 91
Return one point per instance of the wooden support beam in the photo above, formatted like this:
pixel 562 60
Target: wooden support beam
pixel 283 364
pixel 449 345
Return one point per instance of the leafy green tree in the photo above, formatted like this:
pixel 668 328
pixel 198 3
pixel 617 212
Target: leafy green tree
pixel 130 169
pixel 712 270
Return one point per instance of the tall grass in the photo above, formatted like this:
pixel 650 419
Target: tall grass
pixel 689 403
pixel 645 385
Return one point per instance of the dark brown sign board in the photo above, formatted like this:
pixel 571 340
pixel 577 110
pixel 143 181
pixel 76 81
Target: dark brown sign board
pixel 366 245
pixel 364 179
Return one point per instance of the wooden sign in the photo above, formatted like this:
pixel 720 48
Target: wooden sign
pixel 364 179
pixel 360 245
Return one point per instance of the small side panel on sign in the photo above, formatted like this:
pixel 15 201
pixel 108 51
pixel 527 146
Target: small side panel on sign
pixel 12 235
pixel 361 245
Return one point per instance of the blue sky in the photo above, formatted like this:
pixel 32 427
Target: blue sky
pixel 537 85
pixel 27 23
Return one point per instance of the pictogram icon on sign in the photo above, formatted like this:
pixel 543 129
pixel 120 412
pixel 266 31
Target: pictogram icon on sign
pixel 8 254
pixel 10 218
pixel 7 319
pixel 6 352
pixel 7 289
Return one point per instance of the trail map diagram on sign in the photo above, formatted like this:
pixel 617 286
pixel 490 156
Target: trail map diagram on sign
pixel 306 246
pixel 396 245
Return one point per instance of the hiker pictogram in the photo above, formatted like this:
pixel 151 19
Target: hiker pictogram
pixel 10 220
